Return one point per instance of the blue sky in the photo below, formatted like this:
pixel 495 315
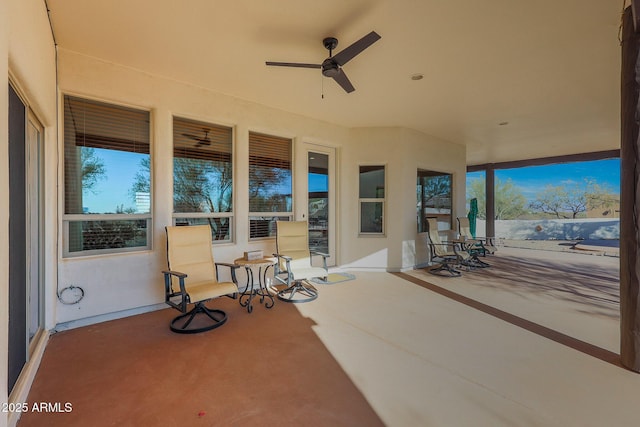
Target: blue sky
pixel 121 168
pixel 112 191
pixel 120 171
pixel 534 178
pixel 318 182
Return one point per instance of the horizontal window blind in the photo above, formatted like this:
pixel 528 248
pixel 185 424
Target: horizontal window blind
pixel 204 141
pixel 98 125
pixel 269 151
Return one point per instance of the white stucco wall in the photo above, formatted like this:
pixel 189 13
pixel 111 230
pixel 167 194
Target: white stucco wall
pixel 32 64
pixel 27 54
pixel 124 281
pixel 403 151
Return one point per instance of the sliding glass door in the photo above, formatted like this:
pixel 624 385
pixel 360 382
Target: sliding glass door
pixel 25 234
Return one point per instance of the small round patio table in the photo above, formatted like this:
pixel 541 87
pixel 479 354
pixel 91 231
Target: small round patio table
pixel 259 287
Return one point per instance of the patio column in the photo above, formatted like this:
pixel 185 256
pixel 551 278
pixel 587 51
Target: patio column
pixel 490 201
pixel 630 196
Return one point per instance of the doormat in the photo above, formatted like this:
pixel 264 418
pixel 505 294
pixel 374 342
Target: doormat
pixel 334 278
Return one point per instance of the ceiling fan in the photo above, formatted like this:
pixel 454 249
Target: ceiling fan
pixel 200 141
pixel 332 66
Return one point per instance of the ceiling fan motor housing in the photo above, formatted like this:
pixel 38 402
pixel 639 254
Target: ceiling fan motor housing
pixel 330 68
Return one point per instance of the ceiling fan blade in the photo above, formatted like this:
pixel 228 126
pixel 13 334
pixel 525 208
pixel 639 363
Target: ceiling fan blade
pixel 351 51
pixel 342 79
pixel 188 135
pixel 293 64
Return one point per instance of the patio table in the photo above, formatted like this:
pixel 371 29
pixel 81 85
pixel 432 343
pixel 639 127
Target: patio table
pixel 262 290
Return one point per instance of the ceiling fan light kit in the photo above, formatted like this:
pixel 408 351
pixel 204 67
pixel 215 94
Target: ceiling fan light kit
pixel 332 66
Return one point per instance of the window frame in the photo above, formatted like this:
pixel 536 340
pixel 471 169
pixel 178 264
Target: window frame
pixel 381 200
pixel 67 219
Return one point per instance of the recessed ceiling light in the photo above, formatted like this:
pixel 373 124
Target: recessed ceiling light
pixel 417 76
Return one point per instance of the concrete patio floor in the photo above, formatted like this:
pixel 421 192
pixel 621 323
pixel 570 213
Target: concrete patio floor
pixel 421 358
pixel 495 347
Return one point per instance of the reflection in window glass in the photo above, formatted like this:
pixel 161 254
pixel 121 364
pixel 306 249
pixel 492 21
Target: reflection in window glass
pixel 270 184
pixel 107 173
pixel 203 176
pixel 318 188
pixel 371 217
pixel 434 199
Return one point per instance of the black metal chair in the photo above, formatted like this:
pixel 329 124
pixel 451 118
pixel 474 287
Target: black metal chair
pixel 445 254
pixel 487 244
pixel 474 247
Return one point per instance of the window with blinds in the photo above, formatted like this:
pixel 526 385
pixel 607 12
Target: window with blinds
pixel 203 176
pixel 270 183
pixel 107 179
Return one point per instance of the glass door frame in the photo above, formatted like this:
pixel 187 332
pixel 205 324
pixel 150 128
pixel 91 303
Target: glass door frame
pixel 29 312
pixel 35 226
pixel 302 192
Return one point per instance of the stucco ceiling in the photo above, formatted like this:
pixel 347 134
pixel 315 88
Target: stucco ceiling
pixel 549 68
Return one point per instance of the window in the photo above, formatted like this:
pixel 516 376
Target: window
pixel 434 199
pixel 107 184
pixel 203 176
pixel 372 197
pixel 270 185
